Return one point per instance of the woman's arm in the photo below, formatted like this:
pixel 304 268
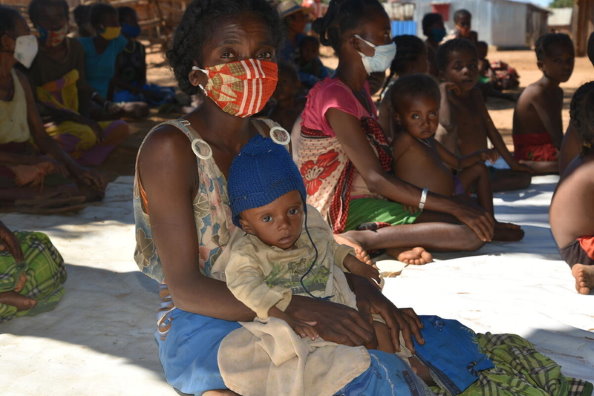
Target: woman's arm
pixel 357 148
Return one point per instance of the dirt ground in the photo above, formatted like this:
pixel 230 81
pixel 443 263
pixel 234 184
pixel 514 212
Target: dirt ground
pixel 121 162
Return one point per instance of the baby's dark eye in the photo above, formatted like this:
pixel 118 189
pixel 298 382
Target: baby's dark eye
pixel 415 117
pixel 432 115
pixel 293 211
pixel 266 219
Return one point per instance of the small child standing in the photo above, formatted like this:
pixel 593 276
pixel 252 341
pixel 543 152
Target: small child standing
pixel 537 123
pixel 572 209
pixel 463 114
pixel 463 26
pixel 424 162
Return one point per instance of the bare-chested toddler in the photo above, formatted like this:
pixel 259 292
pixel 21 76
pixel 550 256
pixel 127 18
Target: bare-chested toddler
pixel 464 116
pixel 424 162
pixel 537 125
pixel 572 209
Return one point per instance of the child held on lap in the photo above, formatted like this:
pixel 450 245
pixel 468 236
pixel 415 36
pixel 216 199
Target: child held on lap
pixel 572 208
pixel 537 125
pixel 424 162
pixel 463 114
pixel 286 248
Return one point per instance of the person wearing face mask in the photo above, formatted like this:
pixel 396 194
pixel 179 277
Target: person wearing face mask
pixel 130 83
pixel 434 30
pixel 62 92
pixel 21 125
pixel 344 155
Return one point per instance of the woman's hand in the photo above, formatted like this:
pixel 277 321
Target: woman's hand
pixel 89 177
pixel 8 241
pixel 477 219
pixel 399 320
pixel 334 322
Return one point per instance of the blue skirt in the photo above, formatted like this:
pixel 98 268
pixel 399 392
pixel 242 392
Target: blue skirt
pixel 188 353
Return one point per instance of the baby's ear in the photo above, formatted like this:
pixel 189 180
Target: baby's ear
pixel 539 64
pixel 245 225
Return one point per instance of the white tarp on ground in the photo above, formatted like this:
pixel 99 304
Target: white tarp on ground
pixel 99 338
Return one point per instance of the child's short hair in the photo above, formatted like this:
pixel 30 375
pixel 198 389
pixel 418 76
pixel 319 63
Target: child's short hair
pixel 342 16
pixel 429 20
pixel 8 18
pixel 444 51
pixel 409 49
pixel 98 12
pixel 82 14
pixel 37 6
pixel 544 43
pixel 125 12
pixel 200 18
pixel 591 48
pixel 413 85
pixel 459 14
pixel 581 112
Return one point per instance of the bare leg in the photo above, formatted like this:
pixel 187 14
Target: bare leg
pixel 433 236
pixel 543 167
pixel 508 180
pixel 584 278
pixel 414 256
pixel 477 176
pixel 360 252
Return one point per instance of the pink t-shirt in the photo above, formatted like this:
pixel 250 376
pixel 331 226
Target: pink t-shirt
pixel 331 93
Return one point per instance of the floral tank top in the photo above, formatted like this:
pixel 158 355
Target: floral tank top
pixel 212 212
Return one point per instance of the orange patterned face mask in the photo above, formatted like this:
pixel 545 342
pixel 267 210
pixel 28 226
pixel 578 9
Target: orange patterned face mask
pixel 241 88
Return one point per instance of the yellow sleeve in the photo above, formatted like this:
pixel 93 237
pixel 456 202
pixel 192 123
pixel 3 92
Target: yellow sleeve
pixel 245 279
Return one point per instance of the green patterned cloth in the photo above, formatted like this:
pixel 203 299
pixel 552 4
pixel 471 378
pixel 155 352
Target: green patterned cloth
pixel 520 370
pixel 44 268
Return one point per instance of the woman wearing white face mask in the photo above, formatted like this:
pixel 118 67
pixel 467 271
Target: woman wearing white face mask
pixel 345 157
pixel 20 122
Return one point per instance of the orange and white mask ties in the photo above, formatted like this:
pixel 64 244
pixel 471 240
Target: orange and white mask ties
pixel 240 88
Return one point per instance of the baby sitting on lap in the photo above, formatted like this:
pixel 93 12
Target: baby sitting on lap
pixel 421 160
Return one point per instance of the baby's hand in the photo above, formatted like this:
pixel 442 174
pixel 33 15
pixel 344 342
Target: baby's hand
pixel 489 155
pixel 358 267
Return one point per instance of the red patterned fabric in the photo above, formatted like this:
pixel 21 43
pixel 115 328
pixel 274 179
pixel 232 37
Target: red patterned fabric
pixel 534 147
pixel 328 173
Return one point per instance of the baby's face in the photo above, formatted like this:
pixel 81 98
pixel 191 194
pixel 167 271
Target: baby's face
pixel 462 69
pixel 277 224
pixel 418 115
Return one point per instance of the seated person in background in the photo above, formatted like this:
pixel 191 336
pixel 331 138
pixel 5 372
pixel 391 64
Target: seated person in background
pixel 572 209
pixel 537 123
pixel 32 274
pixel 285 247
pixel 311 68
pixel 488 79
pixel 288 100
pixel 22 135
pixel 572 141
pixel 82 18
pixel 422 161
pixel 411 58
pixel 434 30
pixel 101 52
pixel 464 117
pixel 463 26
pixel 58 78
pixel 294 19
pixel 130 83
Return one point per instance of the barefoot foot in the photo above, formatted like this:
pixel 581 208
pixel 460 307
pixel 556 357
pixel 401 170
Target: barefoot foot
pixel 414 256
pixel 21 303
pixel 584 278
pixel 348 239
pixel 507 232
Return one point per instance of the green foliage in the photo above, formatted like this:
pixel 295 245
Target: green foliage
pixel 561 3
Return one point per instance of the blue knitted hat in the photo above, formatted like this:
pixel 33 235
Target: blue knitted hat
pixel 261 172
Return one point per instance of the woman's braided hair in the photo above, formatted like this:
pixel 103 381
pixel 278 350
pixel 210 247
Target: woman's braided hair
pixel 342 16
pixel 581 112
pixel 199 20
